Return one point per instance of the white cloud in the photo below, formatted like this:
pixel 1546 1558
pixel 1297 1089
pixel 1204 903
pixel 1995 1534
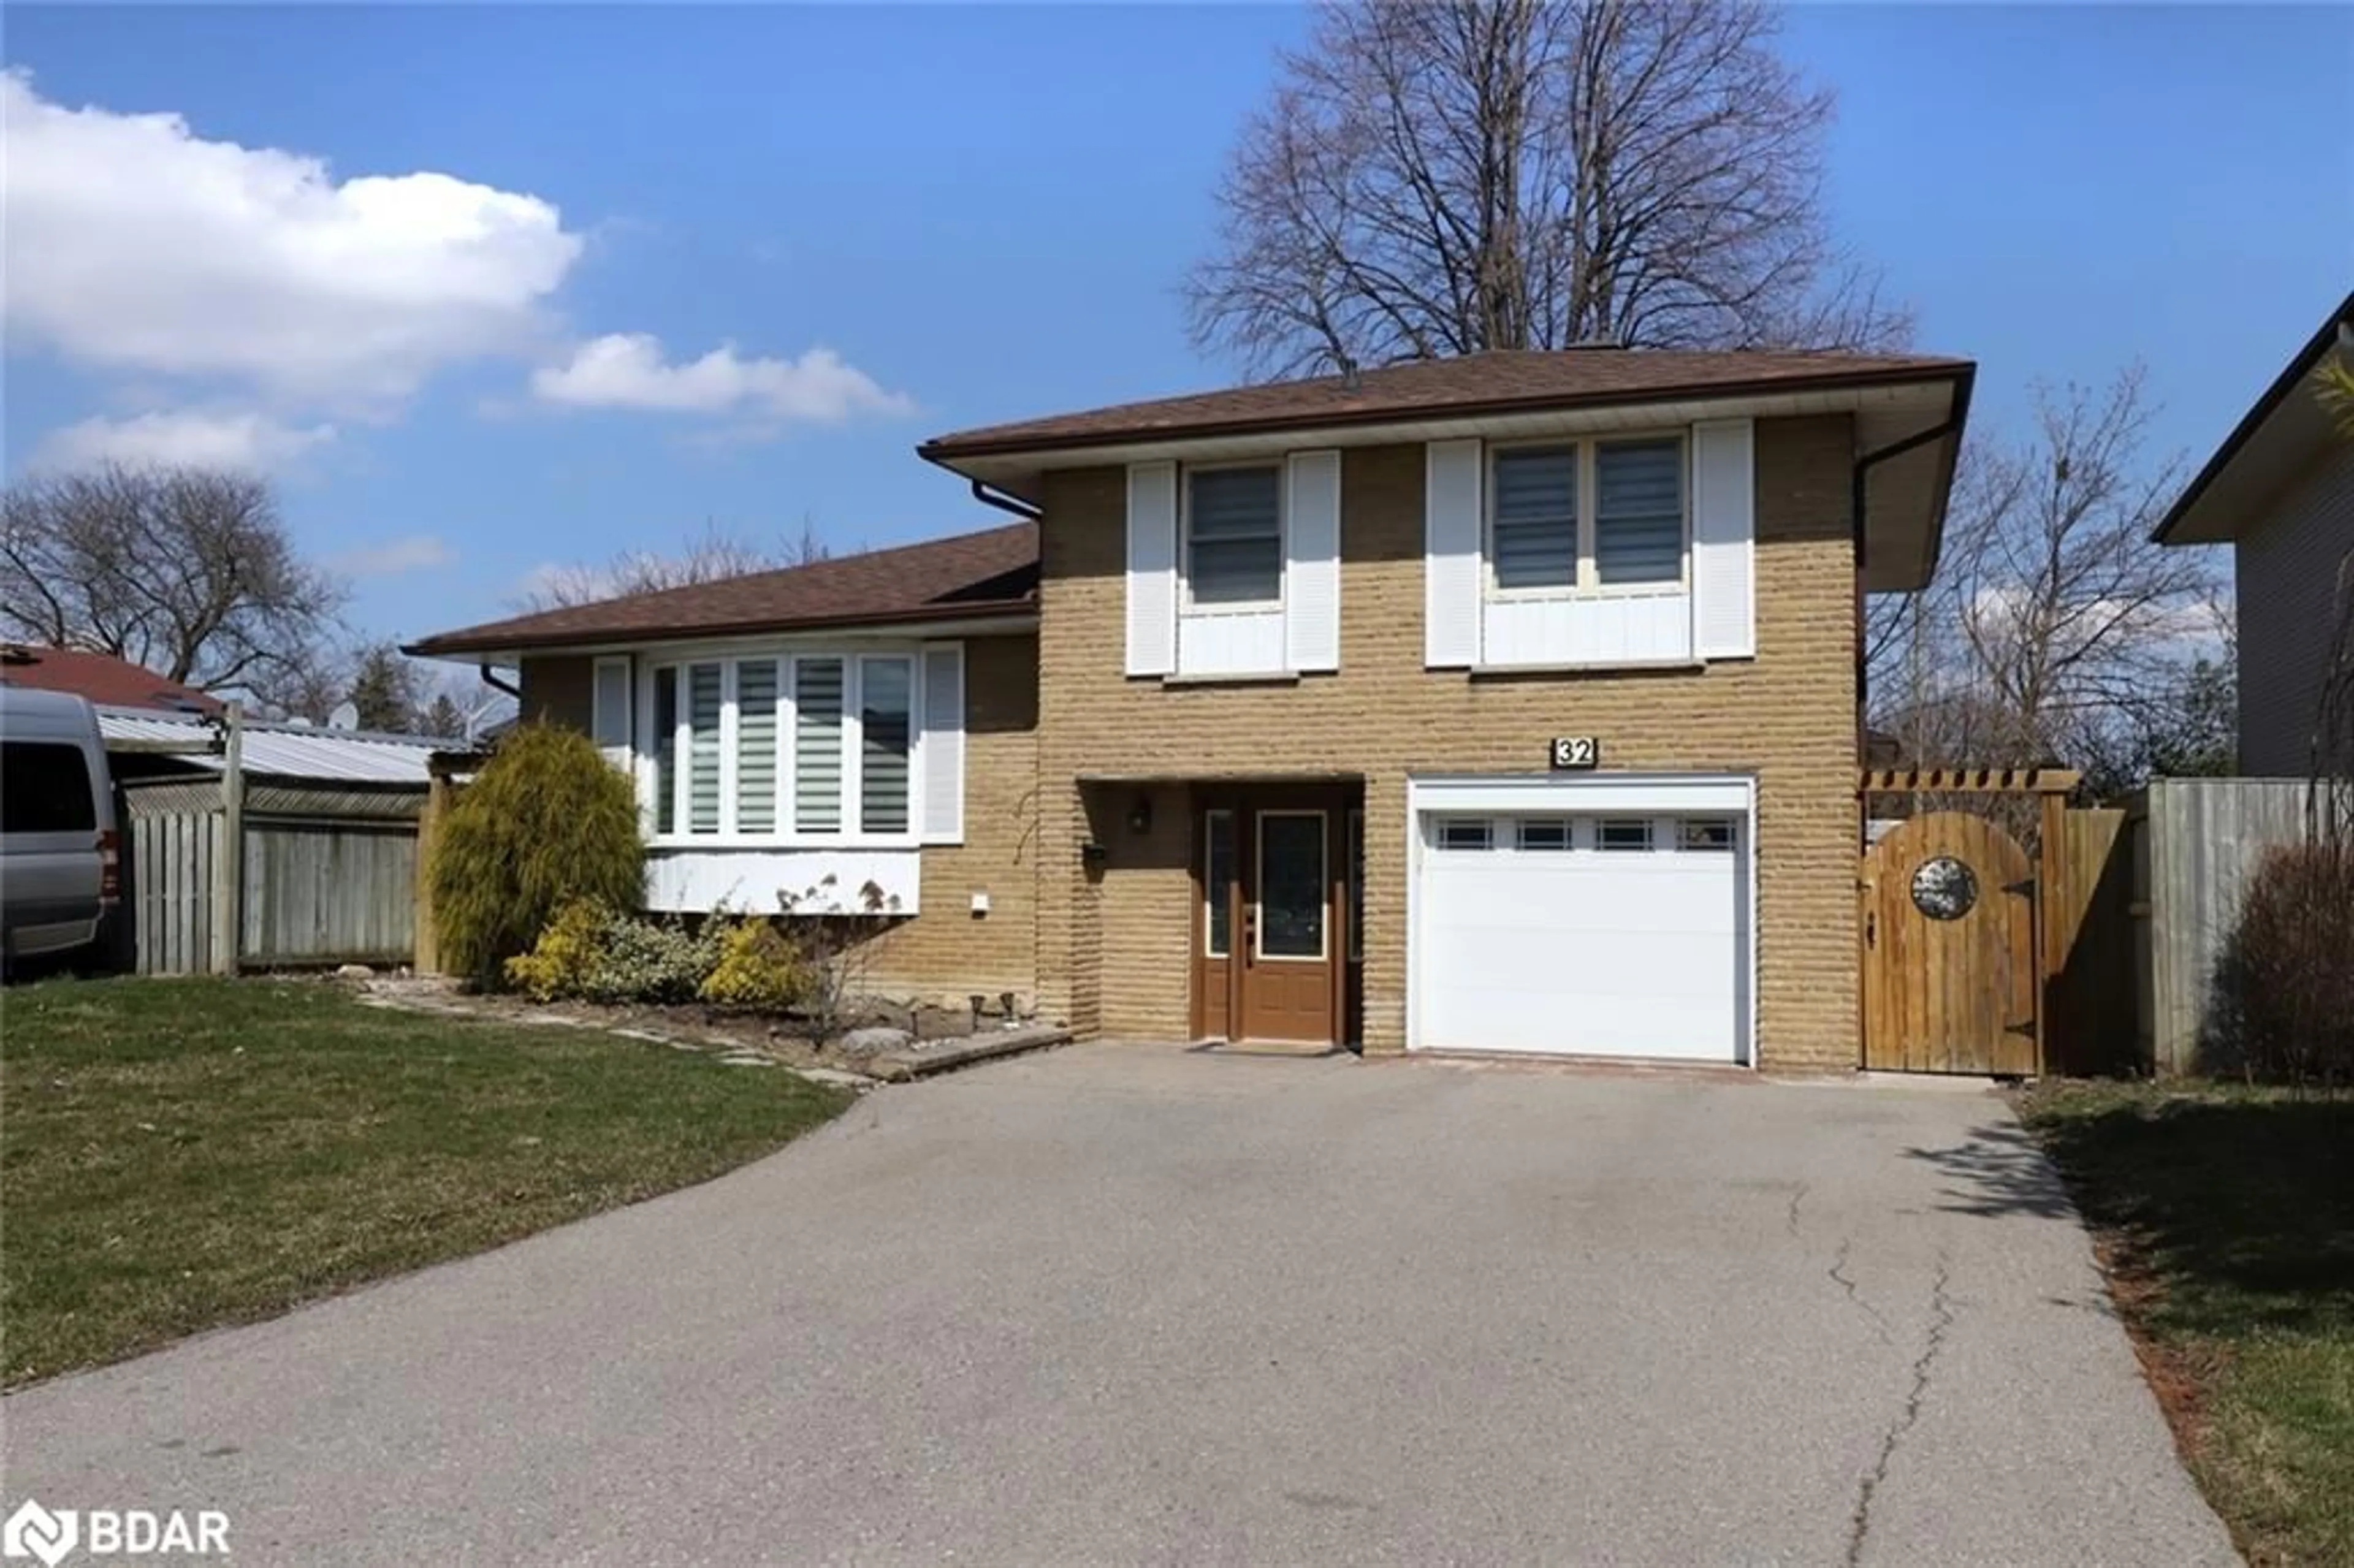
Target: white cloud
pixel 411 553
pixel 134 243
pixel 190 437
pixel 627 370
pixel 553 583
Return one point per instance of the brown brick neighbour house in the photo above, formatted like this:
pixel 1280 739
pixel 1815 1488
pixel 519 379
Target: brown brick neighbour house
pixel 1502 704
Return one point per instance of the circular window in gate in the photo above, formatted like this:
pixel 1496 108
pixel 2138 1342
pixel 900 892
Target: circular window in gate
pixel 1944 889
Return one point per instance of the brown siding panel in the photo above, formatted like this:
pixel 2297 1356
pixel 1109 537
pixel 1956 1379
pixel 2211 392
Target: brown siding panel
pixel 558 689
pixel 1114 942
pixel 2288 567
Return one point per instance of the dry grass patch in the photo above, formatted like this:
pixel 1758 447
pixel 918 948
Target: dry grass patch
pixel 177 1155
pixel 2226 1219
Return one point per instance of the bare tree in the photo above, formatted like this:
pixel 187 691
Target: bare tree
pixel 1434 179
pixel 2055 629
pixel 708 557
pixel 309 689
pixel 189 571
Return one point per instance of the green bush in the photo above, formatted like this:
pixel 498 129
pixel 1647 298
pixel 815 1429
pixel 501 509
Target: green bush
pixel 567 952
pixel 758 968
pixel 2294 980
pixel 640 959
pixel 548 820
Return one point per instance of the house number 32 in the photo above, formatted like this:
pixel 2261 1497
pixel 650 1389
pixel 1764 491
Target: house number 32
pixel 1576 751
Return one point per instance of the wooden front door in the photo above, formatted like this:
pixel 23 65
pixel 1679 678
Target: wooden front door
pixel 1950 982
pixel 1268 943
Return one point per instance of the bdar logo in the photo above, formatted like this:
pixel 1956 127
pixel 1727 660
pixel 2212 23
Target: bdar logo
pixel 34 1532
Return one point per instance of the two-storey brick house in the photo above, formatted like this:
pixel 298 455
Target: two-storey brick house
pixel 1507 702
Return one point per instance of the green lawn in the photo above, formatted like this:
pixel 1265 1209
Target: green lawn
pixel 176 1155
pixel 2229 1217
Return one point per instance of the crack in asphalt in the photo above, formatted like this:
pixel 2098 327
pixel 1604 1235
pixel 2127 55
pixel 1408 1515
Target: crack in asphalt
pixel 1838 1274
pixel 1798 1198
pixel 1941 1318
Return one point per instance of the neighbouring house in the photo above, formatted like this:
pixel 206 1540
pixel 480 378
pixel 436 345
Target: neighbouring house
pixel 1506 703
pixel 2280 491
pixel 101 678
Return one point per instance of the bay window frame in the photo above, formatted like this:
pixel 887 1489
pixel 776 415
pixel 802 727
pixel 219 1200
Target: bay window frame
pixel 657 664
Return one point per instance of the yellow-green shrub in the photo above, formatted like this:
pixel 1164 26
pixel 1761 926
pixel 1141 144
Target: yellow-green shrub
pixel 758 970
pixel 567 952
pixel 547 821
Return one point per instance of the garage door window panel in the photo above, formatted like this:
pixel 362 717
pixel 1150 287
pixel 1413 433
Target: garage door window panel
pixel 1472 834
pixel 1710 835
pixel 1543 833
pixel 1623 834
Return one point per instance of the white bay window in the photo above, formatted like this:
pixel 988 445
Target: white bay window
pixel 803 748
pixel 757 732
pixel 886 720
pixel 817 745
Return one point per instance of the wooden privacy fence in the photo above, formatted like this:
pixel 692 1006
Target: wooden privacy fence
pixel 2189 849
pixel 2133 910
pixel 324 875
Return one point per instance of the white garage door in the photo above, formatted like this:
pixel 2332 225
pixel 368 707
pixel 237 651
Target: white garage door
pixel 1622 933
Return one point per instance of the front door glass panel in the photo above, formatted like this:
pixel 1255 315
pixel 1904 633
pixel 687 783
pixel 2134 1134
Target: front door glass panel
pixel 1292 892
pixel 1217 883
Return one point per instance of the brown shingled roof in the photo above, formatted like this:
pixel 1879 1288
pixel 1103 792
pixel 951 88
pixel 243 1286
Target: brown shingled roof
pixel 994 572
pixel 1494 382
pixel 100 677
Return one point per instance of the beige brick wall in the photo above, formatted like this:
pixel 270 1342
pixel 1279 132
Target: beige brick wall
pixel 1113 942
pixel 947 953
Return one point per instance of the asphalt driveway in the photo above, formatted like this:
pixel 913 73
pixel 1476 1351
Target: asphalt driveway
pixel 1117 1304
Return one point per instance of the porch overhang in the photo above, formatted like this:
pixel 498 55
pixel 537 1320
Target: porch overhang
pixel 1220 776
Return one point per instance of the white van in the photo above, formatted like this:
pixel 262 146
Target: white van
pixel 61 859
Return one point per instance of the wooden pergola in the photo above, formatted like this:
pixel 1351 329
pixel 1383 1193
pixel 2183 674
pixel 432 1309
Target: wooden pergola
pixel 2045 781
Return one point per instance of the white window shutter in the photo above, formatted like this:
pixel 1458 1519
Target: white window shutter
pixel 1311 578
pixel 1151 568
pixel 610 702
pixel 1725 540
pixel 1450 565
pixel 943 776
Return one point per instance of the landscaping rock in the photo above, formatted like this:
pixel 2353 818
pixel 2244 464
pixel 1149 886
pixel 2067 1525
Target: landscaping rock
pixel 874 1040
pixel 837 1076
pixel 354 972
pixel 943 1023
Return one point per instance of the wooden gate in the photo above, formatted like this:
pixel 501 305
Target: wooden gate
pixel 1951 981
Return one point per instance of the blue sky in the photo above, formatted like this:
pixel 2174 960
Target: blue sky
pixel 982 212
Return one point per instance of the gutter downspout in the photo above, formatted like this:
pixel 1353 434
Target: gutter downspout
pixel 490 678
pixel 988 495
